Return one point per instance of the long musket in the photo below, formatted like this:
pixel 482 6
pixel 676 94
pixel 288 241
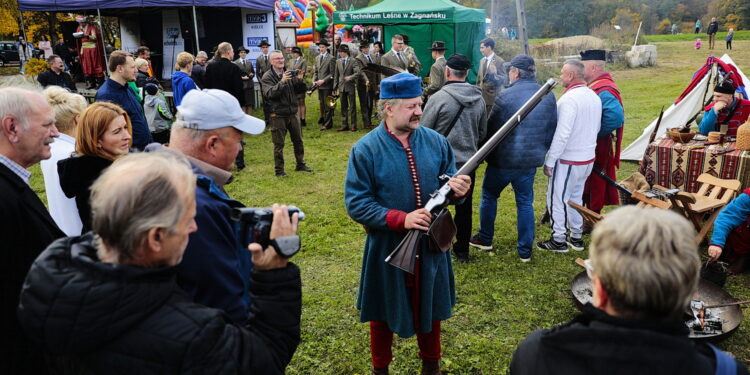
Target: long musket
pixel 404 255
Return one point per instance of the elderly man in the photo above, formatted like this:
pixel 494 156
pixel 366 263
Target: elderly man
pixel 385 192
pixel 726 109
pixel 324 71
pixel 515 161
pixel 367 84
pixel 597 193
pixel 280 89
pixel 644 270
pixel 215 271
pixel 490 77
pixel 457 112
pixel 136 317
pixel 116 90
pixel 199 69
pixel 347 72
pixel 437 70
pixel 27 127
pixel 56 75
pixel 571 157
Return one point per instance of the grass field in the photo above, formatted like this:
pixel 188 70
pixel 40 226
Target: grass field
pixel 500 300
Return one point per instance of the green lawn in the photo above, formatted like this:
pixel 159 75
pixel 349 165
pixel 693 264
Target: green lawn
pixel 500 300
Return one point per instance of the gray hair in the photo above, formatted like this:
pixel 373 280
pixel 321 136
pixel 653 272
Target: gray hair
pixel 383 102
pixel 578 68
pixel 460 74
pixel 649 265
pixel 523 73
pixel 202 54
pixel 275 51
pixel 14 102
pixel 136 193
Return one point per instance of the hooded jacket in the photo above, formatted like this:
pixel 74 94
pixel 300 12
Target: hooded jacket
pixel 99 318
pixel 77 174
pixel 181 84
pixel 470 129
pixel 527 145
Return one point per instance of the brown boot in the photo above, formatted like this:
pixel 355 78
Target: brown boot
pixel 380 371
pixel 431 368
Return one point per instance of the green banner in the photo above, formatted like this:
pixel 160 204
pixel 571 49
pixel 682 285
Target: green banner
pixel 433 16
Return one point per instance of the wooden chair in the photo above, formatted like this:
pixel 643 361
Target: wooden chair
pixel 589 216
pixel 644 201
pixel 703 207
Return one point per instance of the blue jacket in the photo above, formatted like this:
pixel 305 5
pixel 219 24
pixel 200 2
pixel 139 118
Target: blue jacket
pixel 613 115
pixel 732 216
pixel 215 269
pixel 527 145
pixel 181 84
pixel 122 95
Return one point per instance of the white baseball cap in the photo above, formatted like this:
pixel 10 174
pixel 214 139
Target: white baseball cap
pixel 211 109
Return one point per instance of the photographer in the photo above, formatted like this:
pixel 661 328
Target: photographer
pixel 280 89
pixel 124 313
pixel 215 269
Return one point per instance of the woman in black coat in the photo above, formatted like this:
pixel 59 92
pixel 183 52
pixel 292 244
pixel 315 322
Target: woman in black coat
pixel 104 133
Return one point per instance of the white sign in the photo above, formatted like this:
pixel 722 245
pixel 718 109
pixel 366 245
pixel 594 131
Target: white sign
pixel 172 43
pixel 256 27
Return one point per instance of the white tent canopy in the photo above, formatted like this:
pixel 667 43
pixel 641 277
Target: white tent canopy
pixel 678 114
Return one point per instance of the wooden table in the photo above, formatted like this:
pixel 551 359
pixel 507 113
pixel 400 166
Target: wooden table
pixel 676 165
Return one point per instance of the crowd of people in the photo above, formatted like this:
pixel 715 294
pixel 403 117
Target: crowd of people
pixel 137 268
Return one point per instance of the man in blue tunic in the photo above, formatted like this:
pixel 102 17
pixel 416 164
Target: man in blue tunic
pixel 392 170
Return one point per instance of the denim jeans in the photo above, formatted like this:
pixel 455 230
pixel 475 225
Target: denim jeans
pixel 522 181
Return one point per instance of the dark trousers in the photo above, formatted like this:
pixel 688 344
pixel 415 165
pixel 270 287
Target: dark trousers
pixel 729 44
pixel 279 127
pixel 325 113
pixel 349 109
pixel 463 220
pixel 366 94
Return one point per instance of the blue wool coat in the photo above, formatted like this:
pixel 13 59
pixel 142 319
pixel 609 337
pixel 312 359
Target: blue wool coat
pixel 377 181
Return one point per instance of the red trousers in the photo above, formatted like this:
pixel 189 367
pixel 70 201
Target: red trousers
pixel 381 342
pixel 596 192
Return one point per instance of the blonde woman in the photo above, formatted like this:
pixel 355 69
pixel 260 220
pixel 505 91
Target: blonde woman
pixel 141 75
pixel 104 133
pixel 67 107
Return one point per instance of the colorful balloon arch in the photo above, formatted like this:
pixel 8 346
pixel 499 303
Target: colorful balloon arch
pixel 300 12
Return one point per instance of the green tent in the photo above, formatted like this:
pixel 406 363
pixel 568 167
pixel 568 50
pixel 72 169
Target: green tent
pixel 424 21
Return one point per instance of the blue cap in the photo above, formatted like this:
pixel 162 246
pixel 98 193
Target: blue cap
pixel 401 86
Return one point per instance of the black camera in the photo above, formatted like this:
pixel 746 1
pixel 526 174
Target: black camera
pixel 259 220
pixel 293 72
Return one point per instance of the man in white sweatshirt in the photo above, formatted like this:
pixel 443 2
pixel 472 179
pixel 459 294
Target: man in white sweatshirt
pixel 571 157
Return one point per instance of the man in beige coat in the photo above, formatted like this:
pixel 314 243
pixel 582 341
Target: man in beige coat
pixel 396 58
pixel 491 75
pixel 347 71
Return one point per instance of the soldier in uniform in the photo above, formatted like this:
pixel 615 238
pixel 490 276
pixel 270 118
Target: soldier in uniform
pixel 366 84
pixel 262 65
pixel 299 64
pixel 323 76
pixel 491 74
pixel 437 71
pixel 347 71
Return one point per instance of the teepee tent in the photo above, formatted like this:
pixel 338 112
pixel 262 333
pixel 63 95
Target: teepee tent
pixel 688 104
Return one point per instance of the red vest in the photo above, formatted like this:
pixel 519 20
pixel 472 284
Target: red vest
pixel 739 116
